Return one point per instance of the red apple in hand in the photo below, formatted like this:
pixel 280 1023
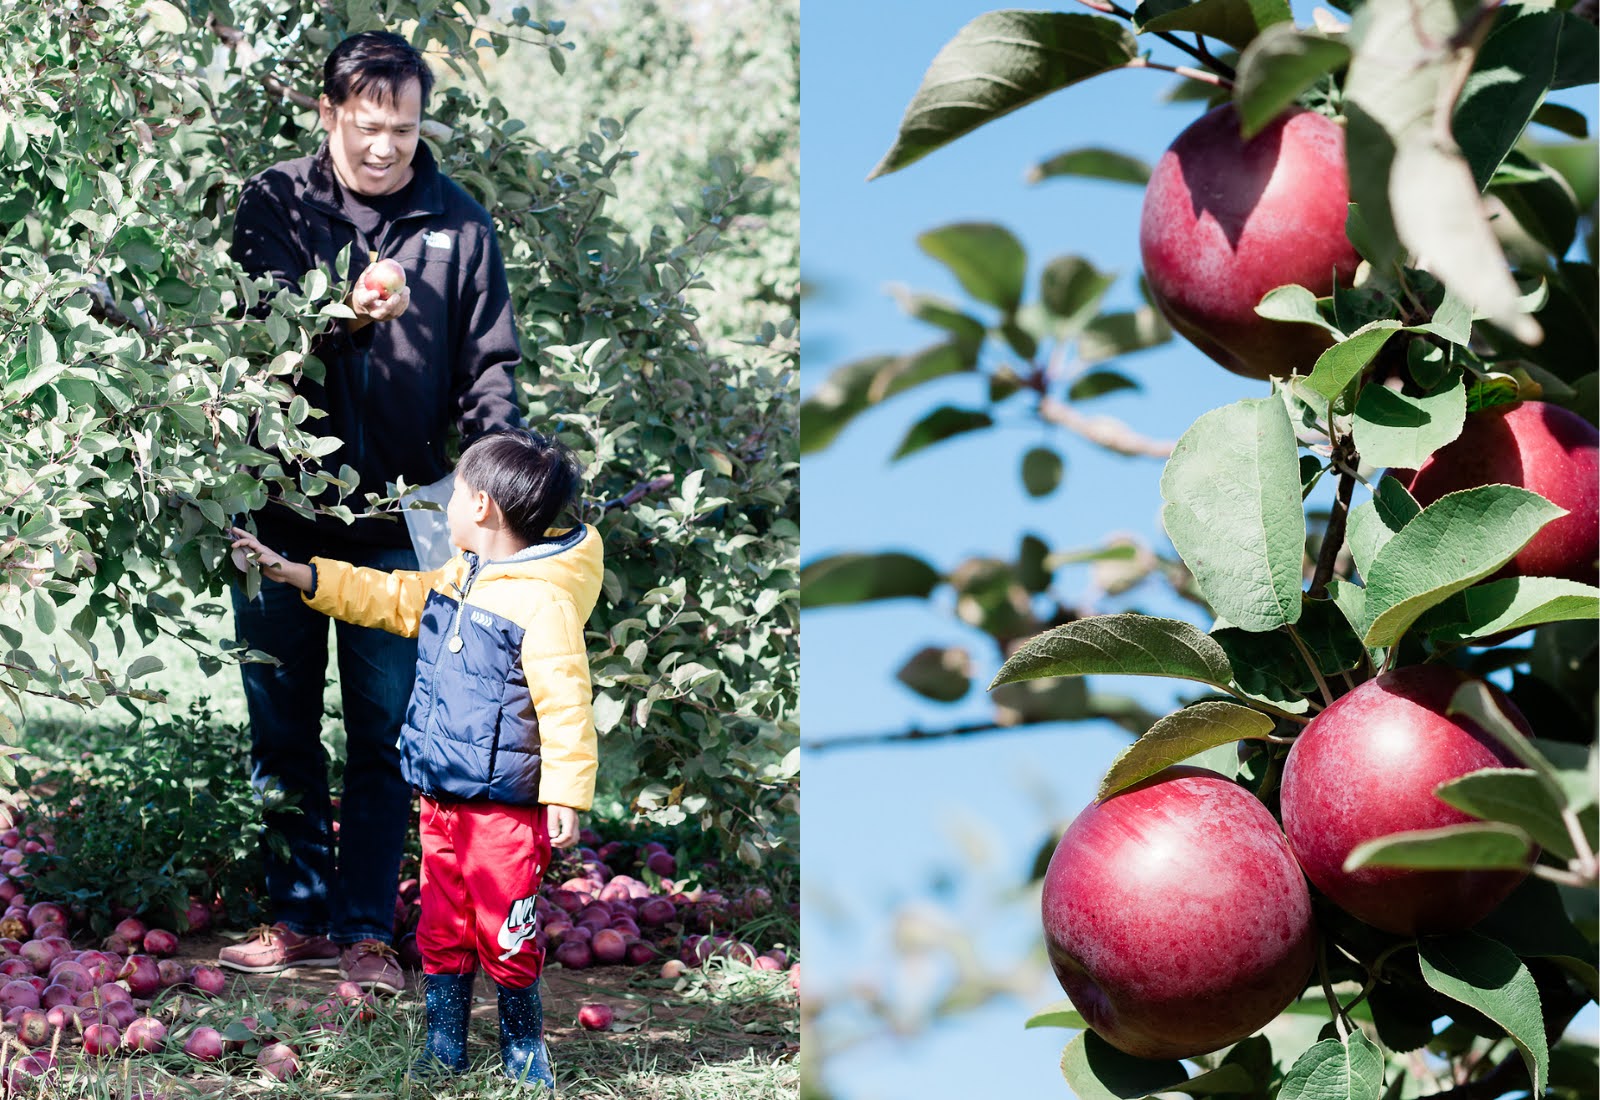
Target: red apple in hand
pixel 1539 447
pixel 1226 220
pixel 1366 767
pixel 384 277
pixel 1175 916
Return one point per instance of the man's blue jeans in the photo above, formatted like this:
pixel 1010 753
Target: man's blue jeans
pixel 346 891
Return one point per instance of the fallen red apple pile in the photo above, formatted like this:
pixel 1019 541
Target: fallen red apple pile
pixel 591 912
pixel 129 997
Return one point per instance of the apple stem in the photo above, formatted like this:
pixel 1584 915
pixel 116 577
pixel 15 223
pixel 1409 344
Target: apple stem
pixel 1198 51
pixel 1341 1022
pixel 1182 70
pixel 1584 864
pixel 1311 663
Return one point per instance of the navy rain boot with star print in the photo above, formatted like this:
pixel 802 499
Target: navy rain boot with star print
pixel 522 1045
pixel 448 1000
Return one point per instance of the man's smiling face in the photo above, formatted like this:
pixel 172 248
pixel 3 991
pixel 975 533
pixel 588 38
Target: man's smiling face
pixel 373 137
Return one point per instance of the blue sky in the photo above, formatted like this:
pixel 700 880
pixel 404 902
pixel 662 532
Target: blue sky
pixel 886 826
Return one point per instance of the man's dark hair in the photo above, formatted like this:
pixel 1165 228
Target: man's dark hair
pixel 530 477
pixel 375 60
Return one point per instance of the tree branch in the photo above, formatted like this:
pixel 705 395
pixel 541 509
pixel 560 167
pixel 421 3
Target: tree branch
pixel 1104 431
pixel 1333 537
pixel 639 492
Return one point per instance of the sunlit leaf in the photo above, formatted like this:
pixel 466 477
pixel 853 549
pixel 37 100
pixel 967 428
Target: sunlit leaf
pixel 1001 61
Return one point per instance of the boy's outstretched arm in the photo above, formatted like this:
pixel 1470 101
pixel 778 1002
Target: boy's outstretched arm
pixel 274 566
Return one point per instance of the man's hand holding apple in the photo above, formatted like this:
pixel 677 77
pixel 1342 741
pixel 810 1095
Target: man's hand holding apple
pixel 380 294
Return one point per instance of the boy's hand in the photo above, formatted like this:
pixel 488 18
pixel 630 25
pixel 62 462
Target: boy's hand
pixel 247 548
pixel 562 824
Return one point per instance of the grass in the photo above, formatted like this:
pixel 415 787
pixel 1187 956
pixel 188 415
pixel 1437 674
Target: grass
pixel 720 1033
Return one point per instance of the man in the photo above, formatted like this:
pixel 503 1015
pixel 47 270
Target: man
pixel 411 366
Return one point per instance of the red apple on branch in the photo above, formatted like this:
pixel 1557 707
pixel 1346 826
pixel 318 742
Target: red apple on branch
pixel 1175 916
pixel 1366 767
pixel 1539 447
pixel 1226 220
pixel 384 277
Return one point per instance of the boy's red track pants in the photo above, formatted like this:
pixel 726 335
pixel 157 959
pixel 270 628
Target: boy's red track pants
pixel 482 863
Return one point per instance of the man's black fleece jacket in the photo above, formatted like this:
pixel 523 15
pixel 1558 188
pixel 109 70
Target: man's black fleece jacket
pixel 394 389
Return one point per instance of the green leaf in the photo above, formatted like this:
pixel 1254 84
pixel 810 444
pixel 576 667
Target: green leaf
pixel 1477 702
pixel 939 425
pixel 1181 735
pixel 144 666
pixel 1041 471
pixel 1293 303
pixel 1235 22
pixel 938 361
pixel 1112 334
pixel 1060 1014
pixel 1096 1070
pixel 1472 846
pixel 1456 541
pixel 987 260
pixel 1486 976
pixel 166 17
pixel 1331 1070
pixel 1373 524
pixel 1274 69
pixel 1092 163
pixel 1578 56
pixel 1515 796
pixel 1410 185
pixel 1127 645
pixel 1541 201
pixel 1098 383
pixel 1533 923
pixel 1341 364
pixel 1514 604
pixel 1562 119
pixel 967 329
pixel 1071 288
pixel 1507 84
pixel 999 62
pixel 1402 430
pixel 1233 512
pixel 856 578
pixel 44 610
pixel 838 400
pixel 940 673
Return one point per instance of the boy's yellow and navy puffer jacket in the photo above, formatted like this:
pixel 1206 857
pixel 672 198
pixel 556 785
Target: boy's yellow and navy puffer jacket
pixel 502 707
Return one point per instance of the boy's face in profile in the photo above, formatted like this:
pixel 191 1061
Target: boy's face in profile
pixel 465 512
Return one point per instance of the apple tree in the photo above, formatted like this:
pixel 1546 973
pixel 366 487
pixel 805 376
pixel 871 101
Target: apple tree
pixel 146 400
pixel 1375 812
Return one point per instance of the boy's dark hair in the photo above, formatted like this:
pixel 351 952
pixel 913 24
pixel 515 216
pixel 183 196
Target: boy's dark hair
pixel 377 60
pixel 530 477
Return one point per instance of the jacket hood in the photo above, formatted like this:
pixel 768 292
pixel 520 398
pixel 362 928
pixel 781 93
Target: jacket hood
pixel 572 560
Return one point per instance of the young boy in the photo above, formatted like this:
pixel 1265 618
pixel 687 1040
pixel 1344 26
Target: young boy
pixel 500 722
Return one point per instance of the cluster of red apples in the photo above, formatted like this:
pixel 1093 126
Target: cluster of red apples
pixel 129 997
pixel 1177 912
